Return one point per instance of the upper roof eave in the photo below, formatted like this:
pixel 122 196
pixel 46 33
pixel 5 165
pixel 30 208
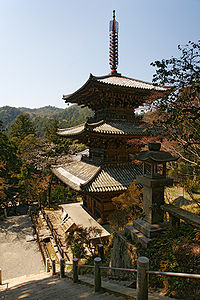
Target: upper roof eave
pixel 72 131
pixel 67 97
pixel 106 128
pixel 98 78
pixel 111 82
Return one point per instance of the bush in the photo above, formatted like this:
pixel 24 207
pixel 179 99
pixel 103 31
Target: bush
pixel 62 194
pixel 176 250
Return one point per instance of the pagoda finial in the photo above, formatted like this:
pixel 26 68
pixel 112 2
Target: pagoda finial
pixel 114 28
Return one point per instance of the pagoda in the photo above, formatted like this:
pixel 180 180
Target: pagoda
pixel 107 170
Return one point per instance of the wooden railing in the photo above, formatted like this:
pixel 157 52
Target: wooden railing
pixel 41 245
pixel 142 274
pixel 142 264
pixel 55 236
pixel 176 214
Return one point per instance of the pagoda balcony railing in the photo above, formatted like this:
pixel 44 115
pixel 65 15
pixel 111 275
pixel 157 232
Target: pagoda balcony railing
pixel 87 159
pixel 110 115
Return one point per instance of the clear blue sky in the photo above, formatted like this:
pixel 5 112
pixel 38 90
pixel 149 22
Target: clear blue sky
pixel 49 47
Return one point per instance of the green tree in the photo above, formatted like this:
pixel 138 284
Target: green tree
pixel 62 144
pixel 62 194
pixel 9 167
pixel 22 127
pixel 179 111
pixel 35 171
pixel 80 240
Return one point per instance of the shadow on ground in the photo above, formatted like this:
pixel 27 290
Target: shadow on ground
pixel 50 288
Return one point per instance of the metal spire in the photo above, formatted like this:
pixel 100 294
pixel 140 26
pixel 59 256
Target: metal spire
pixel 113 28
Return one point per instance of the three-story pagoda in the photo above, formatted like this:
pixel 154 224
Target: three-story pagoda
pixel 107 170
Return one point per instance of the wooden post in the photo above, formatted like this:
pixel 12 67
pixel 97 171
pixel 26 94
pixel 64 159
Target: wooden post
pixel 97 274
pixel 53 261
pixel 75 270
pixel 142 278
pixel 62 268
pixel 100 251
pixel 47 265
pixel 174 221
pixel 29 210
pixel 1 276
pixel 5 212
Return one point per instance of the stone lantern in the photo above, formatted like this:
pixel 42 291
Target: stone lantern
pixel 153 180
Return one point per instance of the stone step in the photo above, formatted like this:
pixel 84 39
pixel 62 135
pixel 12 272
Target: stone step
pixel 44 286
pixel 149 230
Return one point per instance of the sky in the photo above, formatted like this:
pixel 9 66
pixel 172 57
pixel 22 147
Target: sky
pixel 49 47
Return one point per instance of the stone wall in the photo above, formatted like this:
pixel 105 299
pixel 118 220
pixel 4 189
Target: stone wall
pixel 123 254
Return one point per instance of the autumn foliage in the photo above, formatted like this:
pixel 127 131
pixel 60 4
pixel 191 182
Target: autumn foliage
pixel 128 206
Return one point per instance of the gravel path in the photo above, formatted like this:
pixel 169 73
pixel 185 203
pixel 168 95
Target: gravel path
pixel 17 256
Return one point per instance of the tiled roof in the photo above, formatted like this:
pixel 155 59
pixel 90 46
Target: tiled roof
pixel 72 131
pixel 87 177
pixel 121 128
pixel 88 90
pixel 129 82
pixel 114 178
pixel 76 173
pixel 81 218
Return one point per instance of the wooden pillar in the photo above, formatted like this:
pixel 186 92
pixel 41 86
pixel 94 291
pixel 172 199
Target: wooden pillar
pixel 97 274
pixel 100 251
pixel 47 265
pixel 164 169
pixel 53 266
pixel 174 221
pixel 142 278
pixel 1 276
pixel 75 270
pixel 62 268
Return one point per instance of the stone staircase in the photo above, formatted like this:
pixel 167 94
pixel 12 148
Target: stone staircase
pixel 44 286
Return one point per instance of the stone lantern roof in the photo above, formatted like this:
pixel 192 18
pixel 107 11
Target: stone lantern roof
pixel 154 155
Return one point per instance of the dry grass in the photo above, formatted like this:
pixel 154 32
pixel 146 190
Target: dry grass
pixel 181 198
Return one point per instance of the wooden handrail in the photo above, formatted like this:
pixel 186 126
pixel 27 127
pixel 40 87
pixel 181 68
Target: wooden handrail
pixel 186 275
pixel 182 214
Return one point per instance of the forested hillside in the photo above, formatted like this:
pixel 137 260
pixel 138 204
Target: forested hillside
pixel 42 117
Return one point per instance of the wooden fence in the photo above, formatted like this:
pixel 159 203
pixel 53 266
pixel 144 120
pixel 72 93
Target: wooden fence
pixel 41 245
pixel 55 236
pixel 142 274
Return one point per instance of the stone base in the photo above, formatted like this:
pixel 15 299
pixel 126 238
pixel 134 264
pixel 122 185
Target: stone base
pixel 143 232
pixel 149 230
pixel 137 236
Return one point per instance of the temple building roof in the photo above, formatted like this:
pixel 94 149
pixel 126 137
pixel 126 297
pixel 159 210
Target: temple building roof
pixel 72 131
pixel 80 217
pixel 76 173
pixel 118 84
pixel 106 127
pixel 83 176
pixel 128 82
